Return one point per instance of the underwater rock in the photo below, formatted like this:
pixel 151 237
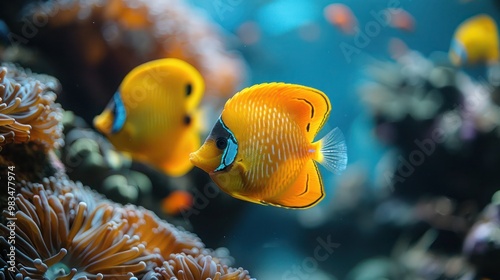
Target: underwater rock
pixel 408 95
pixel 114 175
pixel 444 126
pixel 482 244
pixel 375 268
pixel 422 260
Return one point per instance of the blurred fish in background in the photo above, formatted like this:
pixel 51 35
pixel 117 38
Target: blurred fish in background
pixel 475 41
pixel 153 115
pixel 402 20
pixel 342 17
pixel 177 202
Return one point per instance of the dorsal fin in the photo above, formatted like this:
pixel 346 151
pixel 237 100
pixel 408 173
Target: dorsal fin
pixel 309 107
pixel 175 74
pixel 486 22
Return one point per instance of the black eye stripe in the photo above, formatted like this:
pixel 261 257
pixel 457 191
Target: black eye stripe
pixel 189 89
pixel 225 142
pixel 187 120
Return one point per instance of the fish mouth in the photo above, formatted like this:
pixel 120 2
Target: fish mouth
pixel 197 161
pixel 104 122
pixel 207 157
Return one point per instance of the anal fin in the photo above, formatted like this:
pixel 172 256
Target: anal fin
pixel 304 193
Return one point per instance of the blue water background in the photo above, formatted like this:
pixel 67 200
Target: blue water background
pixel 267 240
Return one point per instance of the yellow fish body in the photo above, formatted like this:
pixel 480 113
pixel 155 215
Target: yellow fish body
pixel 152 116
pixel 475 41
pixel 261 150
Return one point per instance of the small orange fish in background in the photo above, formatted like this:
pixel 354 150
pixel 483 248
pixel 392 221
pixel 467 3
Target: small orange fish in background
pixel 176 202
pixel 401 19
pixel 397 48
pixel 261 149
pixel 153 117
pixel 342 17
pixel 249 33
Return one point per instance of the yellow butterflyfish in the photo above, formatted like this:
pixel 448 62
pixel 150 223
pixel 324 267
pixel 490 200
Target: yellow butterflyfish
pixel 153 115
pixel 261 148
pixel 475 41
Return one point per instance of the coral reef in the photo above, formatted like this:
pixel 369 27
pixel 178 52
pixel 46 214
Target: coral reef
pixel 64 230
pixel 445 130
pixel 442 124
pixel 420 212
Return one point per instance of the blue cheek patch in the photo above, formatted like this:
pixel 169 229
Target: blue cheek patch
pixel 231 150
pixel 119 112
pixel 229 155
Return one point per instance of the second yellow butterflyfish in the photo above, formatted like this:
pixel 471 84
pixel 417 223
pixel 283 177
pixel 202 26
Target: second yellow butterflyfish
pixel 153 115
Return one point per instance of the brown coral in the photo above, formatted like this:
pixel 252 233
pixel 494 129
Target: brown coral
pixel 130 32
pixel 65 231
pixel 27 109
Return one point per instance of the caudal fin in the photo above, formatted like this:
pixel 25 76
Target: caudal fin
pixel 333 151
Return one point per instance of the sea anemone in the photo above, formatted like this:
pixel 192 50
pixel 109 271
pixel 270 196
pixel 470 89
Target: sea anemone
pixel 182 266
pixel 66 231
pixel 27 109
pixel 60 237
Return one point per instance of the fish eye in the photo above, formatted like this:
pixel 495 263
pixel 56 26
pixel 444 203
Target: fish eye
pixel 189 89
pixel 187 120
pixel 221 143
